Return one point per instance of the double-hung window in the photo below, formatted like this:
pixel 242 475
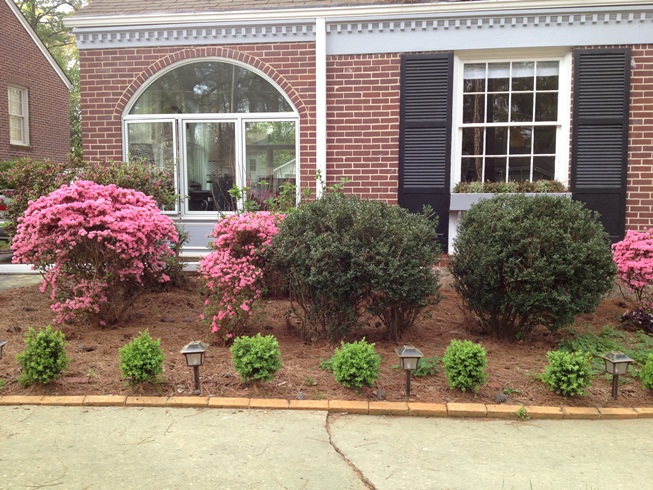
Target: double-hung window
pixel 18 116
pixel 512 120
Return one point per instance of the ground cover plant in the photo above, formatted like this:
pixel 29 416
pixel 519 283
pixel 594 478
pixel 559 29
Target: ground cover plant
pixel 522 262
pixel 96 246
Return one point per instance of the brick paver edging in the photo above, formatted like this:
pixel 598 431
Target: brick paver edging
pixel 338 406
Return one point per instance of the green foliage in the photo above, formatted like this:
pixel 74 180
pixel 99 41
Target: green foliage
pixel 527 261
pixel 341 254
pixel 568 373
pixel 44 358
pixel 142 359
pixel 256 358
pixel 511 186
pixel 326 364
pixel 646 373
pixel 465 363
pixel 427 366
pixel 356 364
pixel 522 413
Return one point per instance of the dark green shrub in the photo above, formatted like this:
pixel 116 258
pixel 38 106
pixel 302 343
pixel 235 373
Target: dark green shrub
pixel 142 359
pixel 44 358
pixel 342 254
pixel 568 373
pixel 256 358
pixel 356 364
pixel 465 363
pixel 646 373
pixel 525 261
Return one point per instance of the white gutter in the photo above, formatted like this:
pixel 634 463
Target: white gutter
pixel 81 20
pixel 320 105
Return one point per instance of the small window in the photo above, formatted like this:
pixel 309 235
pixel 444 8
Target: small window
pixel 18 116
pixel 511 120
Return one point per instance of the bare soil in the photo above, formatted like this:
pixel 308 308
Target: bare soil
pixel 174 318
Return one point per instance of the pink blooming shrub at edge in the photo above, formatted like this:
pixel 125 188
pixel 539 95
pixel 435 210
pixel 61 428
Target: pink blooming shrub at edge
pixel 95 245
pixel 233 272
pixel 633 257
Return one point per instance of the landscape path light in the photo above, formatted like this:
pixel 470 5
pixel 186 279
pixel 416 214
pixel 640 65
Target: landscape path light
pixel 409 356
pixel 2 344
pixel 616 364
pixel 194 352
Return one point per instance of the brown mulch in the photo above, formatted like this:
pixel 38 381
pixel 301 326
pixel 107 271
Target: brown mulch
pixel 174 318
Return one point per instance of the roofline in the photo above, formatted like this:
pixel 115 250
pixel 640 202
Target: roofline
pixel 19 15
pixel 82 21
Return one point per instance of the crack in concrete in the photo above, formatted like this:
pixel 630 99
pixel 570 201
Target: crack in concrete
pixel 358 472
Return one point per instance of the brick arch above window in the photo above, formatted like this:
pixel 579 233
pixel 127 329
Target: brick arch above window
pixel 198 54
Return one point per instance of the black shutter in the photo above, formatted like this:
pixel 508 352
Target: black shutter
pixel 425 135
pixel 599 154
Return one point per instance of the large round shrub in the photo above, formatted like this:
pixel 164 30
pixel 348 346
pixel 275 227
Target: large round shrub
pixel 525 261
pixel 96 247
pixel 342 254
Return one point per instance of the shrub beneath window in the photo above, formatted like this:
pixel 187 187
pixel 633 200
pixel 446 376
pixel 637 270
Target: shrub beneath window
pixel 97 246
pixel 356 364
pixel 646 373
pixel 525 261
pixel 465 363
pixel 342 254
pixel 538 186
pixel 256 358
pixel 141 359
pixel 568 373
pixel 44 358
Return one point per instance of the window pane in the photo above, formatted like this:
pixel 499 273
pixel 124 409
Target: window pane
pixel 523 76
pixel 547 75
pixel 522 108
pixel 543 168
pixel 471 170
pixel 210 87
pixel 15 101
pixel 16 129
pixel 497 141
pixel 474 77
pixel 498 77
pixel 546 106
pixel 495 169
pixel 497 108
pixel 270 159
pixel 545 139
pixel 520 140
pixel 520 169
pixel 211 162
pixel 473 108
pixel 473 141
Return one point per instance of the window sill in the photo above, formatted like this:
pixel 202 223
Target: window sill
pixel 462 201
pixel 16 146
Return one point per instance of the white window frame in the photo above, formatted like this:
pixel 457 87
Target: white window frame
pixel 564 57
pixel 23 117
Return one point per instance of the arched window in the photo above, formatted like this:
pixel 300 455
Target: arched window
pixel 221 125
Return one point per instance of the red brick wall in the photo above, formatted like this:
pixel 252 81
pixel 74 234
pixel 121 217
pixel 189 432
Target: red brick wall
pixel 639 210
pixel 363 124
pixel 22 63
pixel 110 77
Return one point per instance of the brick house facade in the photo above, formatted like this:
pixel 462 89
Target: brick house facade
pixel 39 92
pixel 384 94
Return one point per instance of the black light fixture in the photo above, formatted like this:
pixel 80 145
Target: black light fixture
pixel 194 353
pixel 2 344
pixel 409 356
pixel 616 364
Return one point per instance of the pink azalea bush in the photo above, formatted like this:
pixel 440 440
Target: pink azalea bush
pixel 234 272
pixel 96 247
pixel 633 257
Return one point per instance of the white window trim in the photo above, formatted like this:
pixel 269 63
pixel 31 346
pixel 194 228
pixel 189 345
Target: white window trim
pixel 564 57
pixel 25 115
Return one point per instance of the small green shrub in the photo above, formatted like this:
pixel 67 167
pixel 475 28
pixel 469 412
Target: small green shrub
pixel 646 373
pixel 527 261
pixel 356 364
pixel 568 373
pixel 341 254
pixel 522 413
pixel 465 363
pixel 427 366
pixel 256 358
pixel 44 358
pixel 142 359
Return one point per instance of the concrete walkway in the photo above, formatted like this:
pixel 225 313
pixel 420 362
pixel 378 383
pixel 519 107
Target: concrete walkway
pixel 132 447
